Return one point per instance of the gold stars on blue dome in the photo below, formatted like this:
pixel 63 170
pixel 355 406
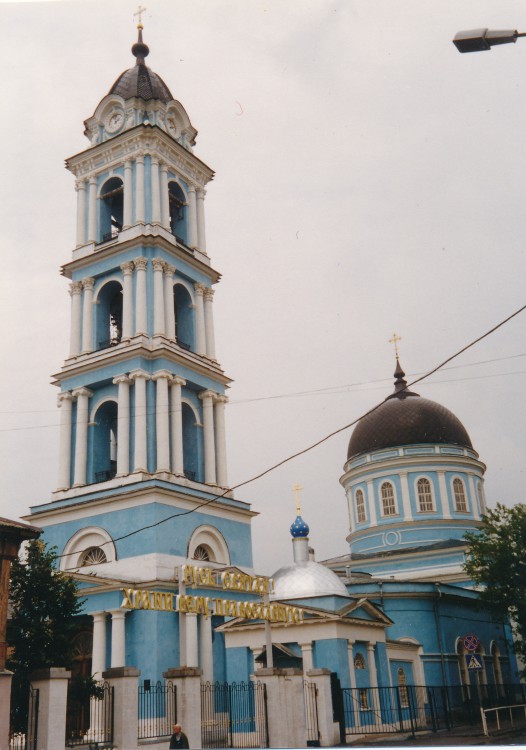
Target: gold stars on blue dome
pixel 299 528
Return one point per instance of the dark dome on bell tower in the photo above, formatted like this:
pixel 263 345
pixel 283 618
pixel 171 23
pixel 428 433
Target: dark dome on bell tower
pixel 140 81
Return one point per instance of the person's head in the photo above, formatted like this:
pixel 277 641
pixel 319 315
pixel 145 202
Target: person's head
pixel 177 729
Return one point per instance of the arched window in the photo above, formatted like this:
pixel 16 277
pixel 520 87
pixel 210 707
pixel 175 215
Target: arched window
pixel 402 688
pixel 105 437
pixel 360 506
pixel 388 499
pixel 109 315
pixel 201 552
pixel 497 669
pixel 111 209
pixel 463 670
pixel 84 540
pixel 191 463
pixel 209 545
pixel 184 317
pixel 177 202
pixel 359 662
pixel 459 492
pixel 93 556
pixel 425 497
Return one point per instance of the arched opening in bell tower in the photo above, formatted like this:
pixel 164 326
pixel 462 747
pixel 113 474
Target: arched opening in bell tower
pixel 191 463
pixel 177 202
pixel 104 442
pixel 109 315
pixel 111 209
pixel 184 317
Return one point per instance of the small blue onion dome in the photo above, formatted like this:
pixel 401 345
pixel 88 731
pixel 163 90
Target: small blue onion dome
pixel 299 528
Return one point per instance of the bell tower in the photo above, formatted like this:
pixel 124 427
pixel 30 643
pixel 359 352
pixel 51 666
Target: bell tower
pixel 142 393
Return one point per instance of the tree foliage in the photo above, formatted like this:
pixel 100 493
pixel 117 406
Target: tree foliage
pixel 496 560
pixel 43 605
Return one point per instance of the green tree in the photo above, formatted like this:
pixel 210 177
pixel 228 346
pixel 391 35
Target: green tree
pixel 43 603
pixel 496 561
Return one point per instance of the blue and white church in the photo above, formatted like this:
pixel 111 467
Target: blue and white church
pixel 143 516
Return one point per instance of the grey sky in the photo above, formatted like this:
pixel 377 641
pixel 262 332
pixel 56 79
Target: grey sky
pixel 370 179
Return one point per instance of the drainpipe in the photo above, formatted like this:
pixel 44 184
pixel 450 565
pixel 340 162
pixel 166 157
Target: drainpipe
pixel 439 634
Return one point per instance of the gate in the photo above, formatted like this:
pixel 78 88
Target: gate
pixel 157 709
pixel 388 710
pixel 234 715
pixel 89 721
pixel 27 741
pixel 310 692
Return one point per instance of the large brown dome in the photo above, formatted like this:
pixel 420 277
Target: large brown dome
pixel 405 418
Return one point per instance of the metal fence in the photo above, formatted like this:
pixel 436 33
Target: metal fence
pixel 27 740
pixel 310 692
pixel 157 709
pixel 90 721
pixel 410 708
pixel 234 715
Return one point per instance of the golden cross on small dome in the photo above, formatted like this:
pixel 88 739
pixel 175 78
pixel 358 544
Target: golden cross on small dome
pixel 297 489
pixel 139 12
pixel 395 341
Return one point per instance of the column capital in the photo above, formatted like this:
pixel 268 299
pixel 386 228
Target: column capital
pixel 163 165
pixel 209 293
pixel 98 616
pixel 158 264
pixel 66 396
pixel 117 614
pixel 127 163
pixel 76 392
pixel 160 374
pixel 80 185
pixel 169 269
pixel 140 158
pixel 207 394
pixel 93 181
pixel 140 263
pixel 155 159
pixel 121 379
pixel 201 192
pixel 199 288
pixel 127 267
pixel 178 380
pixel 219 398
pixel 88 282
pixel 75 288
pixel 134 374
pixel 192 188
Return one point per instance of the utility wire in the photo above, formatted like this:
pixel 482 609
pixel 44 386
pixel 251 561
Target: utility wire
pixel 310 447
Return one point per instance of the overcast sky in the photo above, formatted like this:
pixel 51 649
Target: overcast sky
pixel 369 179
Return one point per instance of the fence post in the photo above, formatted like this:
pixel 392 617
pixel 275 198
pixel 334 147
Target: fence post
pixel 187 682
pixel 124 681
pixel 285 706
pixel 329 729
pixel 5 703
pixel 53 686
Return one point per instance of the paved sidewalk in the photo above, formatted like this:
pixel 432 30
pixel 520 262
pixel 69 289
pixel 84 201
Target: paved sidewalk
pixel 458 737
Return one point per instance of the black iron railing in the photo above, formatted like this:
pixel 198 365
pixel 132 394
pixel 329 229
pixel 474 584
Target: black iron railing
pixel 234 715
pixel 89 722
pixel 157 709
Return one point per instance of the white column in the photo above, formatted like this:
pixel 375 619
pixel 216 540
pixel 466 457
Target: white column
pixel 118 637
pixel 177 426
pixel 98 658
pixel 141 316
pixel 81 436
pixel 65 403
pixel 406 503
pixel 169 310
pixel 306 653
pixel 371 503
pixel 139 190
pixel 209 323
pixel 220 439
pixel 192 218
pixel 200 334
pixel 165 203
pixel 162 419
pixel 373 677
pixel 192 653
pixel 156 192
pixel 80 187
pixel 158 297
pixel 128 195
pixel 123 425
pixel 444 499
pixel 92 215
pixel 127 299
pixel 207 657
pixel 201 236
pixel 75 290
pixel 352 678
pixel 140 457
pixel 474 497
pixel 208 427
pixel 87 316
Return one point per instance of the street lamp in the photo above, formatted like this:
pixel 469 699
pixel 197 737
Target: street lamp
pixel 478 40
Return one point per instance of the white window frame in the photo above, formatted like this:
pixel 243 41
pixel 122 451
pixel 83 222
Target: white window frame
pixel 393 507
pixel 430 501
pixel 359 500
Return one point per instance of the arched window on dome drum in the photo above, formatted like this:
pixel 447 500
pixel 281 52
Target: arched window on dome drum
pixel 459 492
pixel 359 662
pixel 360 506
pixel 111 209
pixel 425 495
pixel 388 499
pixel 402 688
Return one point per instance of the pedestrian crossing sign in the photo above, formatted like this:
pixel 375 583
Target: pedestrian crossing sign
pixel 474 661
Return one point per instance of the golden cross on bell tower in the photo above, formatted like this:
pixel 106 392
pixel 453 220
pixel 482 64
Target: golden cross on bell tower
pixel 139 12
pixel 297 489
pixel 395 341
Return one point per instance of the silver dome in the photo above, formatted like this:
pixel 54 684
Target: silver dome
pixel 306 579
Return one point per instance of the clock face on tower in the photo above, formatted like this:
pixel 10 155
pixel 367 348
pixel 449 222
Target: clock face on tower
pixel 114 122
